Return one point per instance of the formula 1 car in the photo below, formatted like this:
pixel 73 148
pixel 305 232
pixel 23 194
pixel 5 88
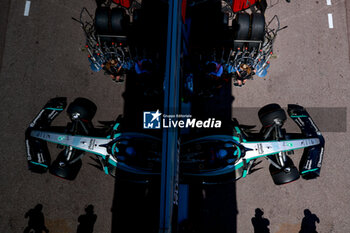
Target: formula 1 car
pixel 136 155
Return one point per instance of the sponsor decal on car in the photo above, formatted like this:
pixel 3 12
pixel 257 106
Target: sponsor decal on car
pixel 319 164
pixel 29 157
pixel 36 118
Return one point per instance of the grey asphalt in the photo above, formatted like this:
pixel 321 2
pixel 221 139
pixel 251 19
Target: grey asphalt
pixel 43 58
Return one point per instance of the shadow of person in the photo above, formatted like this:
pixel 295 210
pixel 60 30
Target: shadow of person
pixel 36 222
pixel 260 224
pixel 308 224
pixel 87 220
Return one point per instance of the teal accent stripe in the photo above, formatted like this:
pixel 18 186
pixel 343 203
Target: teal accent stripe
pixel 244 173
pixel 112 162
pixel 40 164
pixel 238 130
pixel 239 152
pixel 238 166
pixel 117 135
pixel 106 170
pixel 236 138
pixel 57 109
pixel 114 145
pixel 115 148
pixel 116 126
pixel 295 116
pixel 309 170
pixel 240 133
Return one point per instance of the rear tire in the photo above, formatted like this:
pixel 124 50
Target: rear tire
pixel 84 107
pixel 287 174
pixel 242 29
pixel 119 21
pixel 258 29
pixel 102 20
pixel 271 112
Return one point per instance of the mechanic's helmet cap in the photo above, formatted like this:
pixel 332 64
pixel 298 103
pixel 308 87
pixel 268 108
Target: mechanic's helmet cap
pixel 246 68
pixel 130 151
pixel 222 153
pixel 113 62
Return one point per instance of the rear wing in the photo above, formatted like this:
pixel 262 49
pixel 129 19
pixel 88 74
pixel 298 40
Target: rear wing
pixel 123 3
pixel 241 5
pixel 311 161
pixel 38 155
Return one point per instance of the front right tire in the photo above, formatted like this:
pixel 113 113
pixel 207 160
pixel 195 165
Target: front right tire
pixel 64 169
pixel 270 113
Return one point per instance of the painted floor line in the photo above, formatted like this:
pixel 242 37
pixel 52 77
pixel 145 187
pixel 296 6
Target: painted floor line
pixel 27 8
pixel 330 20
pixel 329 3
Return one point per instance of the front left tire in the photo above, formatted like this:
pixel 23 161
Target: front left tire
pixel 287 174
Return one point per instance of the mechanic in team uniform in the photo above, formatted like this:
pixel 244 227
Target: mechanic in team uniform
pixel 114 70
pixel 240 74
pixel 217 75
pixel 244 72
pixel 112 67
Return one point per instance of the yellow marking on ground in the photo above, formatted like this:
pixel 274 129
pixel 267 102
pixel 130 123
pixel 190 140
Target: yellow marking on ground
pixel 58 226
pixel 289 228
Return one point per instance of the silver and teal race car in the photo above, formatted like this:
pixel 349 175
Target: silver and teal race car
pixel 136 155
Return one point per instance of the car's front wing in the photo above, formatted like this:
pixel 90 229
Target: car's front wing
pixel 311 161
pixel 38 155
